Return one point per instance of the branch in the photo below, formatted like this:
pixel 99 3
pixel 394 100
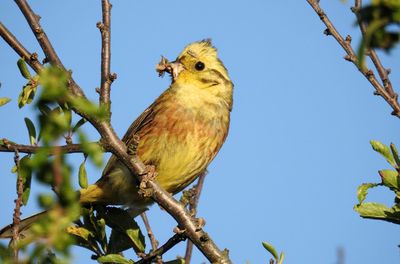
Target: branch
pixel 9 146
pixel 12 41
pixel 33 21
pixel 106 77
pixel 194 201
pixel 164 248
pixel 17 209
pixel 154 242
pixel 391 99
pixel 383 73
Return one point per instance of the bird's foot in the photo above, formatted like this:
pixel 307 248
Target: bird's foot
pixel 178 230
pixel 200 223
pixel 149 175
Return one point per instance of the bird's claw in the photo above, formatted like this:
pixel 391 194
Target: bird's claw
pixel 149 175
pixel 200 223
pixel 178 230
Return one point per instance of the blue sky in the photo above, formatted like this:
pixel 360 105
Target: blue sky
pixel 302 119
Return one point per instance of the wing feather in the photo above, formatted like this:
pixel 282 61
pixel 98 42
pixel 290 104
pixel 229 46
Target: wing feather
pixel 144 119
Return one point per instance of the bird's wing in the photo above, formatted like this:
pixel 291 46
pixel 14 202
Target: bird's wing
pixel 145 118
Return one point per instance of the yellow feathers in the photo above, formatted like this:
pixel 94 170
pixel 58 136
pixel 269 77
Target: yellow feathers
pixel 181 132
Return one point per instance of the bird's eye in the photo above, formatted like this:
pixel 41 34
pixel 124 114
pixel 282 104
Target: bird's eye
pixel 199 66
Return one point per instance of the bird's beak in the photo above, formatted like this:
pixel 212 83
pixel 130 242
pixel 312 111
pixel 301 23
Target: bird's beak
pixel 176 68
pixel 173 68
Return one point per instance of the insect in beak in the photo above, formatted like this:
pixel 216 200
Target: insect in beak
pixel 173 68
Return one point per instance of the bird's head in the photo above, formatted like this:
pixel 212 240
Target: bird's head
pixel 198 63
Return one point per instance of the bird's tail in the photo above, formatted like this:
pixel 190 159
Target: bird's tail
pixel 93 194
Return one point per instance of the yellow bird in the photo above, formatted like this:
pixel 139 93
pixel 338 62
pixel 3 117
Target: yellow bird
pixel 180 133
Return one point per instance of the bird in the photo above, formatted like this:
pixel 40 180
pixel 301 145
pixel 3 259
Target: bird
pixel 179 134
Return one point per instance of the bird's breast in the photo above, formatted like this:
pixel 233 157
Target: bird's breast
pixel 181 142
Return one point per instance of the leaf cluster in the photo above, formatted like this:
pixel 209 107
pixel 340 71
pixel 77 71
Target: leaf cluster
pixel 390 179
pixel 383 20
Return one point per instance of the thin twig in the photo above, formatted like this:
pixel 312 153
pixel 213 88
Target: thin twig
pixel 17 209
pixel 56 167
pixel 12 41
pixel 161 250
pixel 153 240
pixel 33 21
pixel 193 202
pixel 351 56
pixel 8 146
pixel 106 78
pixel 383 73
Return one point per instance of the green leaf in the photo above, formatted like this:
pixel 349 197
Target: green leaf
pixel 80 232
pixel 4 100
pixel 54 81
pixel 378 211
pixel 53 125
pixel 68 116
pixel 390 178
pixel 31 130
pixel 270 249
pixel 27 95
pixel 81 122
pixel 362 191
pixel 25 172
pixel 23 68
pixel 83 180
pixel 101 233
pixel 121 221
pixel 395 154
pixel 45 200
pixel 14 169
pixel 384 151
pixel 118 242
pixel 88 107
pixel 93 150
pixel 136 236
pixel 114 258
pixel 281 258
pixel 44 109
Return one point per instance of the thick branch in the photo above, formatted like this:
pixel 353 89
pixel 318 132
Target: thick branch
pixel 12 41
pixel 351 56
pixel 164 248
pixel 106 78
